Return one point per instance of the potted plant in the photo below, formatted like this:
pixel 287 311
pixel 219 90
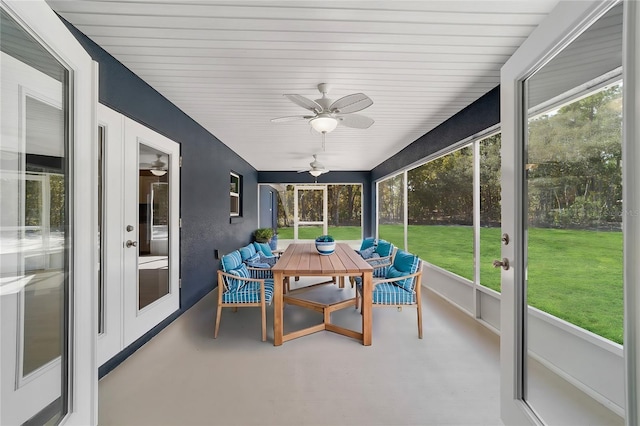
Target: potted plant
pixel 263 235
pixel 325 244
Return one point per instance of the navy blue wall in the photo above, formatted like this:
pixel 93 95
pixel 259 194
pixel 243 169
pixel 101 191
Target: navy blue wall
pixel 345 177
pixel 206 163
pixel 475 118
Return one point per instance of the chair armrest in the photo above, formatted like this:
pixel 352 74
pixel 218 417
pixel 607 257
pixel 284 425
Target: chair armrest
pixel 402 278
pixel 222 274
pixel 381 261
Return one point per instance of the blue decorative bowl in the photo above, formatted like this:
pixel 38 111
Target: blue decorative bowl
pixel 325 248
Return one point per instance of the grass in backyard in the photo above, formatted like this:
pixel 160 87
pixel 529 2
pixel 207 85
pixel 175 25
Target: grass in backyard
pixel 575 275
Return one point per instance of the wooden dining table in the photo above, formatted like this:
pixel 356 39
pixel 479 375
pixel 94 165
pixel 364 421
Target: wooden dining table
pixel 302 260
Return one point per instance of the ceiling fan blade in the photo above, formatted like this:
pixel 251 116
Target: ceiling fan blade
pixel 356 121
pixel 305 102
pixel 351 103
pixel 289 118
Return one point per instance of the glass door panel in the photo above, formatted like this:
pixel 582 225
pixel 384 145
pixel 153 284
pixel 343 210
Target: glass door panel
pixel 34 230
pixel 153 226
pixel 573 222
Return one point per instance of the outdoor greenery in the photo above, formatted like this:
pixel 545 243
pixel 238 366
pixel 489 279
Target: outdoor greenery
pixel 263 235
pixel 344 204
pixel 574 212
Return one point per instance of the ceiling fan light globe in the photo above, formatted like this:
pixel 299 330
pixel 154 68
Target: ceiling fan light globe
pixel 158 172
pixel 324 124
pixel 315 173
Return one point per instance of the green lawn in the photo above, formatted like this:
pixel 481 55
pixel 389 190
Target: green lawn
pixel 572 274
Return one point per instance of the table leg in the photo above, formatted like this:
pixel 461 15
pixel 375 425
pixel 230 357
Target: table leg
pixel 367 307
pixel 277 308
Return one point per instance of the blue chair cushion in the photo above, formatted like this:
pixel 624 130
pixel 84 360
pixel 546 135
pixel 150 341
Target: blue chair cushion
pixel 368 252
pixel 264 248
pixel 240 271
pixel 384 248
pixel 250 293
pixel 247 251
pixel 367 243
pixel 231 261
pixel 389 294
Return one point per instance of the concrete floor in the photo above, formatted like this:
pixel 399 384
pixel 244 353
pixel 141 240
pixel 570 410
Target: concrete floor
pixel 185 377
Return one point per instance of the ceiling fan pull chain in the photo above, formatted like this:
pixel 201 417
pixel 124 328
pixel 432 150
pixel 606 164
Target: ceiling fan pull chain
pixel 323 135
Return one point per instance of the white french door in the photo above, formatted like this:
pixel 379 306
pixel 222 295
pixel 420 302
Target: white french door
pixel 47 243
pixel 139 269
pixel 535 85
pixel 310 208
pixel 151 233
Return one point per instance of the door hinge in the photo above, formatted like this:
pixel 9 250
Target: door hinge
pixel 180 283
pixel 180 161
pixel 180 223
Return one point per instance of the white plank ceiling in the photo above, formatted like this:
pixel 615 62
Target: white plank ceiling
pixel 228 63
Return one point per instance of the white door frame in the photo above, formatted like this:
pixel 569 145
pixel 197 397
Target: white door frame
pixel 565 22
pixel 631 197
pixel 43 24
pixel 325 209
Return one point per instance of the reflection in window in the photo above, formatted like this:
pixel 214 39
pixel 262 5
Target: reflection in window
pixel 574 184
pixel 440 196
pixel 490 210
pixel 391 210
pixel 235 195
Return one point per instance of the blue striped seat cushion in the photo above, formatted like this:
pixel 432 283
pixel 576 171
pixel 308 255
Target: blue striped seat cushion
pixel 249 293
pixel 389 294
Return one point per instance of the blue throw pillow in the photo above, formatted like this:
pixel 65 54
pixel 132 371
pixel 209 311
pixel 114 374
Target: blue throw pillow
pixel 264 248
pixel 368 242
pixel 406 262
pixel 253 259
pixel 247 251
pixel 240 271
pixel 368 252
pixel 384 248
pixel 231 261
pixel 269 260
pixel 394 273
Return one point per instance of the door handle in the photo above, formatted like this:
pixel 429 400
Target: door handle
pixel 130 244
pixel 504 263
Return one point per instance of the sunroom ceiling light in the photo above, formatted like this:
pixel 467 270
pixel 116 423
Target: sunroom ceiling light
pixel 324 123
pixel 315 173
pixel 158 173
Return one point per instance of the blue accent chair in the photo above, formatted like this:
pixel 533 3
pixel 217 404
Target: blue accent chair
pixel 239 286
pixel 400 286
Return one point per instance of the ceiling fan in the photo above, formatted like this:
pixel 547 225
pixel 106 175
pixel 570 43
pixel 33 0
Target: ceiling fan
pixel 317 168
pixel 327 114
pixel 157 168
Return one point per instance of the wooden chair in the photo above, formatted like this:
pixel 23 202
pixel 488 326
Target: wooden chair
pixel 400 286
pixel 240 287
